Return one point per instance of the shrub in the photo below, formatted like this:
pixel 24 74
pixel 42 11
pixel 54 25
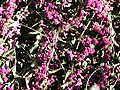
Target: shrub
pixel 59 44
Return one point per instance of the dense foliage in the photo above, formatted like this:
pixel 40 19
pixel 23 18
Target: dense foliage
pixel 59 44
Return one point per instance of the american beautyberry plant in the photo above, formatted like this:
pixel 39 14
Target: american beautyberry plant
pixel 59 44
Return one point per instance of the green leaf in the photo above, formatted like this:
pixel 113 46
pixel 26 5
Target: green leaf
pixel 54 71
pixel 113 40
pixel 34 33
pixel 14 70
pixel 102 64
pixel 9 52
pixel 38 37
pixel 73 41
pixel 36 44
pixel 1 81
pixel 67 74
pixel 27 79
pixel 84 64
pixel 92 45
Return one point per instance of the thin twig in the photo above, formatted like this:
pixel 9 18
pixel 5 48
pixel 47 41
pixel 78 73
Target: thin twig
pixel 84 31
pixel 90 77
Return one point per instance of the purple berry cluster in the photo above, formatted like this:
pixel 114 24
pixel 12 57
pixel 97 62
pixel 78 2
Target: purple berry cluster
pixel 59 44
